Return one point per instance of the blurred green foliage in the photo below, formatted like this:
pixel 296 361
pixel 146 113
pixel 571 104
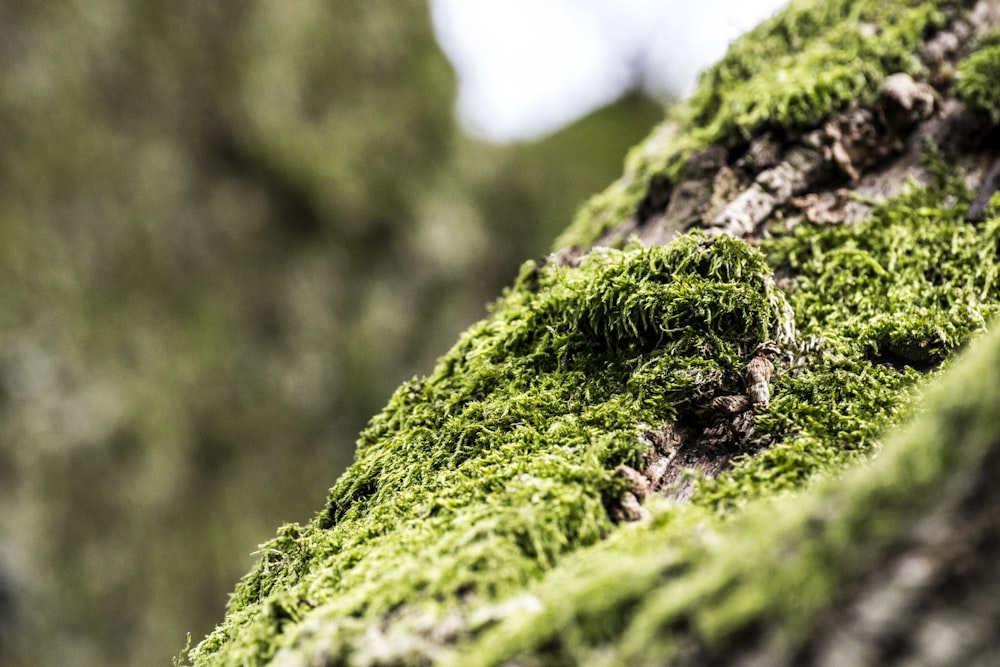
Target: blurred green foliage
pixel 227 231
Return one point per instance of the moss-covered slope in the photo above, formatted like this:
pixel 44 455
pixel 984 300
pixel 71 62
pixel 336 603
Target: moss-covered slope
pixel 893 563
pixel 478 522
pixel 477 479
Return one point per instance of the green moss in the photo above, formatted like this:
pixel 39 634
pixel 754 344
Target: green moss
pixel 808 61
pixel 876 304
pixel 910 283
pixel 686 585
pixel 492 475
pixel 484 475
pixel 977 81
pixel 684 591
pixel 791 72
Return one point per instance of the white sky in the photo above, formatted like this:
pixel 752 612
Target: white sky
pixel 528 67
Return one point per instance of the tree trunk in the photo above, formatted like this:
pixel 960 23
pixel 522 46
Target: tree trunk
pixel 735 419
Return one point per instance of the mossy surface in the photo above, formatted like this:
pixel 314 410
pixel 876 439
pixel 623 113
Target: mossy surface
pixel 482 476
pixel 689 591
pixel 493 475
pixel 686 586
pixel 977 81
pixel 789 73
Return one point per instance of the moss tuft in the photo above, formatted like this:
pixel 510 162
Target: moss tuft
pixel 782 74
pixel 687 591
pixel 877 304
pixel 977 82
pixel 485 474
pixel 873 302
pixel 790 73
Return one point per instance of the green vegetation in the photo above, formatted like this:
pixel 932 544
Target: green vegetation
pixel 482 476
pixel 473 527
pixel 789 73
pixel 976 81
pixel 875 303
pixel 812 58
pixel 486 474
pixel 685 590
pixel 228 231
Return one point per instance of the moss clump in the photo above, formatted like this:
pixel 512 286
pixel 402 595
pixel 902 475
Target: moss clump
pixel 482 476
pixel 914 278
pixel 488 474
pixel 790 73
pixel 795 69
pixel 491 476
pixel 877 304
pixel 688 593
pixel 908 285
pixel 977 81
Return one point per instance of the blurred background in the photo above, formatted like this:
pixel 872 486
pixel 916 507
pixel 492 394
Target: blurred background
pixel 228 230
